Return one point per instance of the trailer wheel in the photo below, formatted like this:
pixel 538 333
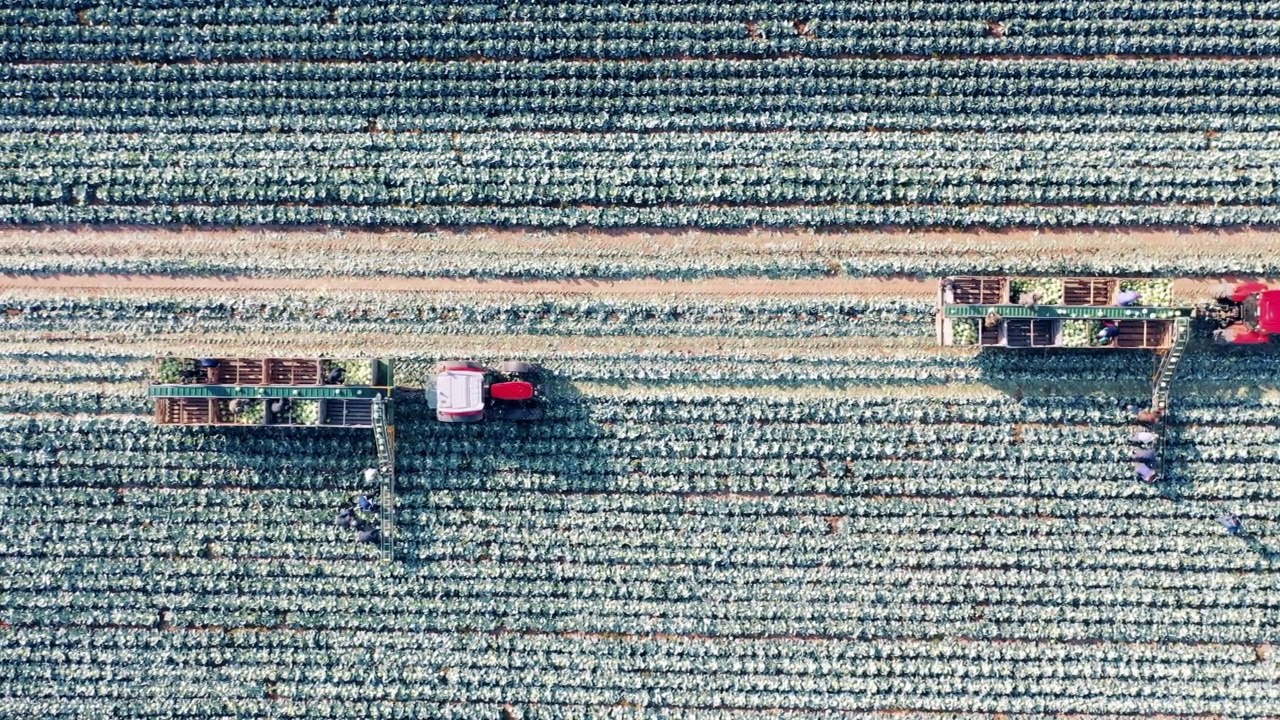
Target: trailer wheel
pixel 516 367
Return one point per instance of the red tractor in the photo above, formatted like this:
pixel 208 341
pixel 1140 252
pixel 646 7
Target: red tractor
pixel 467 391
pixel 1248 314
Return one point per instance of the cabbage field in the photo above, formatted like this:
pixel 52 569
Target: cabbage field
pixel 640 113
pixel 761 489
pixel 737 507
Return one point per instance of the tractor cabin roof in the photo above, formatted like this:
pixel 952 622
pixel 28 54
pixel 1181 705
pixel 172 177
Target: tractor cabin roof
pixel 460 392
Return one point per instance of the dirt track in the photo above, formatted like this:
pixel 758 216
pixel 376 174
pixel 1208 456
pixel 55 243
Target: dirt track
pixel 459 253
pixel 903 287
pixel 1186 288
pixel 375 261
pixel 129 241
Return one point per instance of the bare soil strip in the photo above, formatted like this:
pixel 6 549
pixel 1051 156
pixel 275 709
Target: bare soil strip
pixel 1186 289
pixel 895 286
pixel 363 344
pixel 623 243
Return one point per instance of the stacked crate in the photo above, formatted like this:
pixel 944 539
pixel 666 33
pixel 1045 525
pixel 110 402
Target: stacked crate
pixel 268 372
pixel 1040 332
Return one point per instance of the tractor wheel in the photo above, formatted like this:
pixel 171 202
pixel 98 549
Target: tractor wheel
pixel 461 365
pixel 515 367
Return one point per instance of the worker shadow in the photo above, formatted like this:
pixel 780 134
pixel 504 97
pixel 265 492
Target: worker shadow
pixel 449 473
pixel 1171 487
pixel 1268 553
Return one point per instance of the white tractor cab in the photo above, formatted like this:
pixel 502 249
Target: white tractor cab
pixel 467 391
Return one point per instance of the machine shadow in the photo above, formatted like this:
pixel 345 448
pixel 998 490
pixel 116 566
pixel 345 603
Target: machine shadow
pixel 1119 378
pixel 1236 375
pixel 440 463
pixel 1067 373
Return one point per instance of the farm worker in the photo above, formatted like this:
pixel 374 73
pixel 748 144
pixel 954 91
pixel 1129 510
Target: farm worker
pixel 1145 455
pixel 1109 330
pixel 239 405
pixel 1143 438
pixel 370 476
pixel 367 536
pixel 337 376
pixel 1232 523
pixel 188 375
pixel 1030 299
pixel 366 504
pixel 345 519
pixel 1128 297
pixel 1145 473
pixel 209 365
pixel 280 405
pixel 1150 417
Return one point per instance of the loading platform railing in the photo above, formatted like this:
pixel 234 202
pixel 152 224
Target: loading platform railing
pixel 384 440
pixel 1162 381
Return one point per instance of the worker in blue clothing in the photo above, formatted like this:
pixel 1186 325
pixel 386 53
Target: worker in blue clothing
pixel 1145 473
pixel 1145 437
pixel 1144 455
pixel 346 519
pixel 1233 523
pixel 209 366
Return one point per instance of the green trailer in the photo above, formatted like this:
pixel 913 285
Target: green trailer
pixel 249 391
pixel 1009 312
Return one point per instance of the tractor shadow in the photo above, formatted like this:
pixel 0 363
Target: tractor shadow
pixel 445 468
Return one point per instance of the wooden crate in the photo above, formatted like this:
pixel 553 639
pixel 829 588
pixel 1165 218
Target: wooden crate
pixel 183 411
pixel 979 290
pixel 293 371
pixel 1143 334
pixel 346 413
pixel 1089 291
pixel 989 336
pixel 237 371
pixel 1026 332
pixel 222 414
